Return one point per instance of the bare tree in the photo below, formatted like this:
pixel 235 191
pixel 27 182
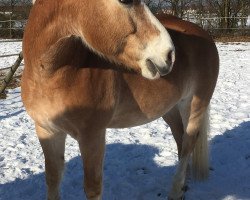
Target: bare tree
pixel 179 7
pixel 15 11
pixel 174 7
pixel 229 11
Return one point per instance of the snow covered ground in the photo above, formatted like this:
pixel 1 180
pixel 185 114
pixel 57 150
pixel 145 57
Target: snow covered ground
pixel 7 48
pixel 140 161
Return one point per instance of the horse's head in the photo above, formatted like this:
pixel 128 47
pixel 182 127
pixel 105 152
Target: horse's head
pixel 126 32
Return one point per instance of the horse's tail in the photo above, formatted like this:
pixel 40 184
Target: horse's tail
pixel 200 158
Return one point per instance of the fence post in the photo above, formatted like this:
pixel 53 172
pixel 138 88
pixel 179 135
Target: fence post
pixel 10 74
pixel 10 27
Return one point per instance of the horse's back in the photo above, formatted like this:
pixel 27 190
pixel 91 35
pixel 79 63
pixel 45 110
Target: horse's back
pixel 185 27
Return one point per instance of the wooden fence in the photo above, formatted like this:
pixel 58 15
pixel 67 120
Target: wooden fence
pixel 10 69
pixel 215 25
pixel 12 28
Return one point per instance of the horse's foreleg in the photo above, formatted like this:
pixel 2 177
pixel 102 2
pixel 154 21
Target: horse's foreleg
pixel 92 146
pixel 193 113
pixel 53 145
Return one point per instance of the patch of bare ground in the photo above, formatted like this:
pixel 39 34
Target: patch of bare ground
pixel 226 39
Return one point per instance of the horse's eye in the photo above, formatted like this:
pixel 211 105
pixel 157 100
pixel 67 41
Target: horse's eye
pixel 126 1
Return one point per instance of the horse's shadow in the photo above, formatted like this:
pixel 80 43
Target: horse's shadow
pixel 131 173
pixel 230 167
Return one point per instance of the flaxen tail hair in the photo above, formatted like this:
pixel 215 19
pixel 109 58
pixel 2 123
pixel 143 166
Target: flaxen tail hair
pixel 200 158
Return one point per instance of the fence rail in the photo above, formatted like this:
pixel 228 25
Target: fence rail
pixel 11 72
pixel 16 40
pixel 8 55
pixel 14 28
pixel 7 73
pixel 7 68
pixel 11 28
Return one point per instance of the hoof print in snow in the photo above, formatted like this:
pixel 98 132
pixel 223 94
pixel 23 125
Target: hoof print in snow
pixel 141 171
pixel 159 194
pixel 1 158
pixel 211 168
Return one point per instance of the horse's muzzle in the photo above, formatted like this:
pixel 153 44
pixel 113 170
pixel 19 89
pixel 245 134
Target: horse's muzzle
pixel 154 69
pixel 163 68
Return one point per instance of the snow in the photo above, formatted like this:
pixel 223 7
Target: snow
pixel 7 48
pixel 140 162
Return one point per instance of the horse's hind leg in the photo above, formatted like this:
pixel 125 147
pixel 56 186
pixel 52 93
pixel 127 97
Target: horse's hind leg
pixel 53 145
pixel 92 146
pixel 194 117
pixel 173 119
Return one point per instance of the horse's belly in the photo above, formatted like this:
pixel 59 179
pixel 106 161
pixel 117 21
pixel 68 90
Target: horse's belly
pixel 126 120
pixel 129 116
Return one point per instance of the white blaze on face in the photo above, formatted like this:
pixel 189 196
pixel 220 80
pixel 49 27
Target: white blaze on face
pixel 157 50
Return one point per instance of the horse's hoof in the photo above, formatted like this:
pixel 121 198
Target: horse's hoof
pixel 180 198
pixel 185 188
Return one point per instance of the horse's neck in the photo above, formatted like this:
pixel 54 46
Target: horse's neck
pixel 54 20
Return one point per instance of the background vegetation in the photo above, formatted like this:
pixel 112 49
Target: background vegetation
pixel 220 17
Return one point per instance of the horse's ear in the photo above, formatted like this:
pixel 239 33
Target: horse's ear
pixel 62 53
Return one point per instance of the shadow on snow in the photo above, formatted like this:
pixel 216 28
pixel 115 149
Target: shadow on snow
pixel 131 173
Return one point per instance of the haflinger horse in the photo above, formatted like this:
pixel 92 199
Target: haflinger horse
pixel 92 65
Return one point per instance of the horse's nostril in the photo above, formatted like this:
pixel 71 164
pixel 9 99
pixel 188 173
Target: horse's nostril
pixel 170 57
